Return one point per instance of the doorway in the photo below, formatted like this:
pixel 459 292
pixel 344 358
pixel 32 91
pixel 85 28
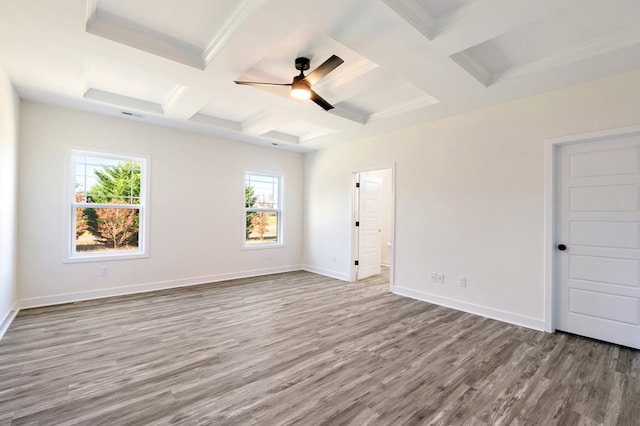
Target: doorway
pixel 372 218
pixel 593 249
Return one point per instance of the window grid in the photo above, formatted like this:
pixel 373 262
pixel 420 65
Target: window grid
pixel 107 216
pixel 263 212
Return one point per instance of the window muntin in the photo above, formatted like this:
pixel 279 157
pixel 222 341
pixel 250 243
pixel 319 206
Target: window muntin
pixel 107 206
pixel 263 210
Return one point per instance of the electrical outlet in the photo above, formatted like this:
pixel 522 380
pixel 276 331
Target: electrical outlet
pixel 463 281
pixel 432 277
pixel 334 258
pixel 440 278
pixel 104 271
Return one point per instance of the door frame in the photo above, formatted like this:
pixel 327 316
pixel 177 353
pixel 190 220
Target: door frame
pixel 353 242
pixel 552 146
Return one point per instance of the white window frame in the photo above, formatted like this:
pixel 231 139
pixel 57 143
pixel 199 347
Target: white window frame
pixel 71 256
pixel 278 210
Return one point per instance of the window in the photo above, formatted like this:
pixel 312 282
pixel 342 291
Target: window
pixel 263 210
pixel 107 206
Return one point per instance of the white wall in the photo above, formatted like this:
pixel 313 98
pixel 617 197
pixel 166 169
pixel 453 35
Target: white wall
pixel 469 197
pixel 196 206
pixel 9 111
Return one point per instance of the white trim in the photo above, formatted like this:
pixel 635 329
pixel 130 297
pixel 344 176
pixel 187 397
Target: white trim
pixel 263 246
pixel 280 210
pixel 549 234
pixel 143 288
pixel 551 148
pixel 238 16
pixel 496 314
pixel 69 255
pixel 8 319
pixel 416 15
pixel 353 216
pixel 326 272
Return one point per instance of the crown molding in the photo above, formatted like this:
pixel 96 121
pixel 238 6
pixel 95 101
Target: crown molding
pixel 216 122
pixel 245 9
pixel 174 96
pixel 471 65
pixel 416 15
pixel 467 13
pixel 317 134
pixel 281 137
pixel 348 112
pixel 410 105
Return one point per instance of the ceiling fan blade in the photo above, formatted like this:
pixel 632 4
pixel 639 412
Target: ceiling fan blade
pixel 325 68
pixel 320 101
pixel 258 83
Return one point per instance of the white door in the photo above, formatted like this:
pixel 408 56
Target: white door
pixel 369 226
pixel 598 240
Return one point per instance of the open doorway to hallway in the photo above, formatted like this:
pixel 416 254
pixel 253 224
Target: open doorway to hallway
pixel 373 218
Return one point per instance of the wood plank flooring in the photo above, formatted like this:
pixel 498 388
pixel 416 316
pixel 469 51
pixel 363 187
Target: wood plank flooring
pixel 299 348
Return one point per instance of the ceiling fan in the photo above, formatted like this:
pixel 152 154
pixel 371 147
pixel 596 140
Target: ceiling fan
pixel 301 84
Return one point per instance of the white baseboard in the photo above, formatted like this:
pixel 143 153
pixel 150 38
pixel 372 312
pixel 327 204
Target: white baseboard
pixel 143 288
pixel 509 317
pixel 8 319
pixel 327 272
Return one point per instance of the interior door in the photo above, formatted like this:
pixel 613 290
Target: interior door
pixel 598 247
pixel 369 226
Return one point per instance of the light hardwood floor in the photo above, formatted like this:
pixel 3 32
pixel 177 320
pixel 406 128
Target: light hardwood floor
pixel 299 348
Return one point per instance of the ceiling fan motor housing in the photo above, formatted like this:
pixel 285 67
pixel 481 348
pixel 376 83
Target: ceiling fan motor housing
pixel 302 64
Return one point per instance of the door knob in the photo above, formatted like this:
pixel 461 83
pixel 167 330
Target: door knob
pixel 562 247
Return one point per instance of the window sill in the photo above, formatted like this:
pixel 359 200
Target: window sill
pixel 105 257
pixel 262 246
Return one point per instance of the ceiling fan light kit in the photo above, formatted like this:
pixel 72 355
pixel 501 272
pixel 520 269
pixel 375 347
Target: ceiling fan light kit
pixel 300 89
pixel 301 84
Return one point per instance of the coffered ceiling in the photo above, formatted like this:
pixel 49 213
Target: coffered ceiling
pixel 406 62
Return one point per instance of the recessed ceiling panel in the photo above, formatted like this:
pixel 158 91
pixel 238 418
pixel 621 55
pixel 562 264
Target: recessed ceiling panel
pixel 297 131
pixel 231 110
pixel 304 130
pixel 431 16
pixel 439 8
pixel 134 83
pixel 547 43
pixel 278 66
pixel 395 97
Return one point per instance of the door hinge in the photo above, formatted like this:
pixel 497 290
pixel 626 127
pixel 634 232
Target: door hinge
pixel 357 184
pixel 356 263
pixel 357 223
